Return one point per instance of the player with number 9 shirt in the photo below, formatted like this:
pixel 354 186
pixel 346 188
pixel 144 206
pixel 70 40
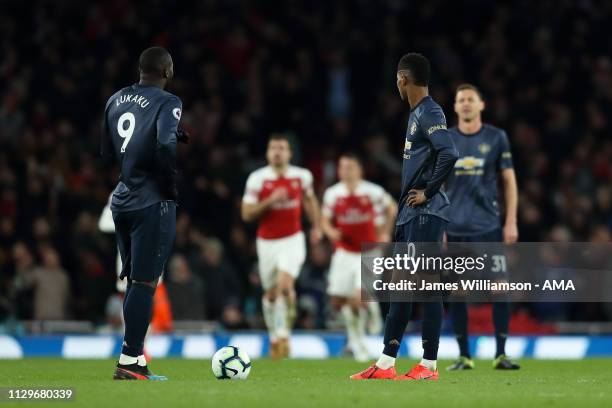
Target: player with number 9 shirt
pixel 140 132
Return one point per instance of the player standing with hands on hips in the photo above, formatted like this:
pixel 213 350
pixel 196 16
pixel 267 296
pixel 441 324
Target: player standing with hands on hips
pixel 484 153
pixel 140 132
pixel 429 156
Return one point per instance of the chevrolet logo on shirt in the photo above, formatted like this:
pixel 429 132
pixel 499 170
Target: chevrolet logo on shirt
pixel 469 166
pixel 469 162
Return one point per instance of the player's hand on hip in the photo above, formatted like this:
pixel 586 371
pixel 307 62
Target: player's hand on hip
pixel 416 197
pixel 510 233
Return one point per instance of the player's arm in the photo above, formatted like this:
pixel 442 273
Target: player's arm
pixel 433 124
pixel 511 199
pixel 385 209
pixel 252 207
pixel 510 189
pixel 331 232
pixel 327 215
pixel 167 127
pixel 385 229
pixel 311 208
pixel 251 211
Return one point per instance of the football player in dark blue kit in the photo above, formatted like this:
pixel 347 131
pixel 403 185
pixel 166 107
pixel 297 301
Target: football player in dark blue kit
pixel 484 153
pixel 429 155
pixel 140 132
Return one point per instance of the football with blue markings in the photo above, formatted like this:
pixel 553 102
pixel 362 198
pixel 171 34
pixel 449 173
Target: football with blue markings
pixel 231 363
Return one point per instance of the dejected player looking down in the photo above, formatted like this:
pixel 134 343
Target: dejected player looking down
pixel 429 155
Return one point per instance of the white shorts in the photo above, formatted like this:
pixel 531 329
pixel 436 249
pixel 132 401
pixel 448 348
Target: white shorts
pixel 284 254
pixel 344 273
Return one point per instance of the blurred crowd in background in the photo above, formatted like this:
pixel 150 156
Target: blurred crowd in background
pixel 323 73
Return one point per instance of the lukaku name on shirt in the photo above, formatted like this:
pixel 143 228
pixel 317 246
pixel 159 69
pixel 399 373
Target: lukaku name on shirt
pixel 140 131
pixel 137 99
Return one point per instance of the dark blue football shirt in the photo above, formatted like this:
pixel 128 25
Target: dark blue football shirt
pixel 472 185
pixel 140 130
pixel 429 155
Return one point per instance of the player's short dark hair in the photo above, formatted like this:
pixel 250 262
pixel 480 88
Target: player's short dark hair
pixel 418 66
pixel 351 156
pixel 470 87
pixel 154 60
pixel 278 136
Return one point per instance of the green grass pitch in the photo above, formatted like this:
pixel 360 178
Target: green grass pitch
pixel 316 383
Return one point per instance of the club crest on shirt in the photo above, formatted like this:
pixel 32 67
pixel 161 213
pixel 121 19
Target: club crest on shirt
pixel 176 112
pixel 484 148
pixel 413 128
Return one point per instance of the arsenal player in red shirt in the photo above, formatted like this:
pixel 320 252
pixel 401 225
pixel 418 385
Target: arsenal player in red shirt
pixel 274 196
pixel 355 211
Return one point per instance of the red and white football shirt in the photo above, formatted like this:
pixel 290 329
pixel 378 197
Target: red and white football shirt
pixel 283 218
pixel 356 214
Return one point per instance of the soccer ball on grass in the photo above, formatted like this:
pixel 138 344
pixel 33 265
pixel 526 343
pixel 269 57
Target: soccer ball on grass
pixel 231 363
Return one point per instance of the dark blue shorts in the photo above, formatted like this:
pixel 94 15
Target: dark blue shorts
pixel 145 238
pixel 422 228
pixel 492 236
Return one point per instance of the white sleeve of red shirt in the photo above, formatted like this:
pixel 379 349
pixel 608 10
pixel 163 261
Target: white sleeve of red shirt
pixel 306 177
pixel 380 200
pixel 377 195
pixel 284 217
pixel 257 178
pixel 253 187
pixel 329 199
